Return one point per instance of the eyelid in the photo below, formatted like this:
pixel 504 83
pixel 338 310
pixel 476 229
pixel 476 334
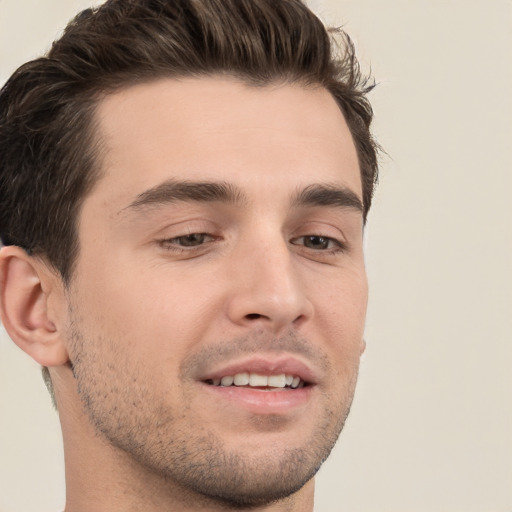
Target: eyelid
pixel 321 227
pixel 188 225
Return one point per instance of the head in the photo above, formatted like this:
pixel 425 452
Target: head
pixel 50 156
pixel 224 73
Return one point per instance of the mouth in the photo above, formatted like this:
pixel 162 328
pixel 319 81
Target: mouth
pixel 265 382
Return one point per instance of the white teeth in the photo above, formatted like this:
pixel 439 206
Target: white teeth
pixel 277 381
pixel 257 380
pixel 241 379
pixel 227 381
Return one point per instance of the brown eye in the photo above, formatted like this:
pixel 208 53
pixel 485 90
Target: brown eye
pixel 192 240
pixel 190 244
pixel 321 245
pixel 317 242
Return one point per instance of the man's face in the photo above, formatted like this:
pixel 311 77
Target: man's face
pixel 223 241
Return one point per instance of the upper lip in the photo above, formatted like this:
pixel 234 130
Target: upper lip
pixel 289 365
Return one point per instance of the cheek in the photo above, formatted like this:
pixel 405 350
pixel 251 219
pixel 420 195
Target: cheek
pixel 345 301
pixel 154 313
pixel 340 315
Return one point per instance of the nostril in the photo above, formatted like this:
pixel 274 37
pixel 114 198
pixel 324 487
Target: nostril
pixel 253 316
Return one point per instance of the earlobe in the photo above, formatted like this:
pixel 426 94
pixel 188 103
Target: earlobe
pixel 25 286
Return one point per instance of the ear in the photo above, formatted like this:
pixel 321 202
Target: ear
pixel 362 347
pixel 26 285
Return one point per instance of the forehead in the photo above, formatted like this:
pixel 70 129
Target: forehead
pixel 221 129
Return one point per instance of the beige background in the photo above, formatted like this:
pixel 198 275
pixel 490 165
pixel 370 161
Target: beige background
pixel 431 427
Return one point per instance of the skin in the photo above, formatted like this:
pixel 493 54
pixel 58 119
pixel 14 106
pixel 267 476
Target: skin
pixel 152 313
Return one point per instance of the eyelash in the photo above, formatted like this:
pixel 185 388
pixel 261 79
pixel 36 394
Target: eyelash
pixel 171 245
pixel 334 246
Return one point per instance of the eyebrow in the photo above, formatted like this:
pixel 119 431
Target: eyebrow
pixel 171 191
pixel 327 195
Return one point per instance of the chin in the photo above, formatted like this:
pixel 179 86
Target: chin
pixel 238 482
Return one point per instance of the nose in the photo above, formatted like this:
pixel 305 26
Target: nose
pixel 267 289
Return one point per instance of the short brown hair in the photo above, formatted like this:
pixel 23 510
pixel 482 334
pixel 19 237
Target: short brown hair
pixel 48 152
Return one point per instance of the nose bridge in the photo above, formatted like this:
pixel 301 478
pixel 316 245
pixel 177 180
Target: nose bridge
pixel 270 290
pixel 274 275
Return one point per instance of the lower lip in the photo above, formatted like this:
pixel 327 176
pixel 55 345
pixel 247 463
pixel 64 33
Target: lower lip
pixel 259 401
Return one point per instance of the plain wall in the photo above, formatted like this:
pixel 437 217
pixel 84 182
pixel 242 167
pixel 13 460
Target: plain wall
pixel 431 425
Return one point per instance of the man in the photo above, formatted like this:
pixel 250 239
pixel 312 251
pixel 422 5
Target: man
pixel 184 185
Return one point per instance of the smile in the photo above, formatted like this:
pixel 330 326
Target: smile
pixel 256 380
pixel 262 385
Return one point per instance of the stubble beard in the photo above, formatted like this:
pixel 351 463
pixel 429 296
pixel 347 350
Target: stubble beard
pixel 133 418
